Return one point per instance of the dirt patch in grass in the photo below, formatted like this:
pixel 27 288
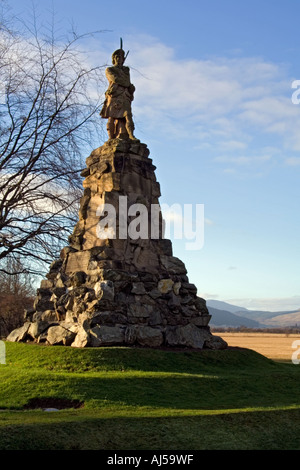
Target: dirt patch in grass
pixel 52 402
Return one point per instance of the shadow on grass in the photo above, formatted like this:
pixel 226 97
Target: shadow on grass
pixel 169 391
pixel 190 392
pixel 260 430
pixel 132 377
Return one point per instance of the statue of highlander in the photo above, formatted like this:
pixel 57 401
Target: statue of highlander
pixel 118 98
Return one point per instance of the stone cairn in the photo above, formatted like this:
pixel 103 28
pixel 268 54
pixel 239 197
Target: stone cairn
pixel 118 290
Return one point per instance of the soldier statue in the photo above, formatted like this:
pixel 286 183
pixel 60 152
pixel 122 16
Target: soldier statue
pixel 118 98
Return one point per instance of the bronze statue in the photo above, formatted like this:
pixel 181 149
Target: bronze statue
pixel 118 98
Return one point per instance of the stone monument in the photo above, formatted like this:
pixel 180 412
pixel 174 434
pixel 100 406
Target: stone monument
pixel 118 282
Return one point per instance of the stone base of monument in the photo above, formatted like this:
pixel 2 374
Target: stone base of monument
pixel 118 290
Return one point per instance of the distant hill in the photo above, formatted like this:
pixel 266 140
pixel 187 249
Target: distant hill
pixel 285 319
pixel 225 314
pixel 225 318
pixel 225 306
pixel 264 315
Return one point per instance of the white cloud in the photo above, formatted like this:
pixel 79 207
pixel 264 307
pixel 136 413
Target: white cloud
pixel 220 101
pixel 243 159
pixel 268 304
pixel 293 161
pixel 207 295
pixel 223 105
pixel 275 114
pixel 233 145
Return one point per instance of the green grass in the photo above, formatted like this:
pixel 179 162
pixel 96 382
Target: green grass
pixel 147 399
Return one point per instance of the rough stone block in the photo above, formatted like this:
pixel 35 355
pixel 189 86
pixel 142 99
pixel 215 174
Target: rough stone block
pixel 47 315
pixel 215 342
pixel 138 288
pixel 105 290
pixel 202 320
pixel 173 265
pixel 189 336
pixel 37 328
pixel 148 336
pixel 139 311
pixel 58 335
pixel 78 261
pixel 102 335
pixel 47 283
pixel 82 338
pixel 19 334
pixel 165 285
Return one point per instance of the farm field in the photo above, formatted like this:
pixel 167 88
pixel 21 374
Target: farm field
pixel 276 346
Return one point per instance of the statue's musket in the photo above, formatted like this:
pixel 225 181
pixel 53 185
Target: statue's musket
pixel 121 47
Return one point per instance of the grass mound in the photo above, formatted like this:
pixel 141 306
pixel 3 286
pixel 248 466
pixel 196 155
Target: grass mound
pixel 137 398
pixel 69 359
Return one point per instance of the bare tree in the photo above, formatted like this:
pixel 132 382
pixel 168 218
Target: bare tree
pixel 16 295
pixel 49 113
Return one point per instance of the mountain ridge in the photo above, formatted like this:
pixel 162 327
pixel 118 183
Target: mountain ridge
pixel 226 314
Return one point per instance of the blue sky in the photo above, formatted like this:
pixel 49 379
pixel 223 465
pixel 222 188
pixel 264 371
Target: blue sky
pixel 213 103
